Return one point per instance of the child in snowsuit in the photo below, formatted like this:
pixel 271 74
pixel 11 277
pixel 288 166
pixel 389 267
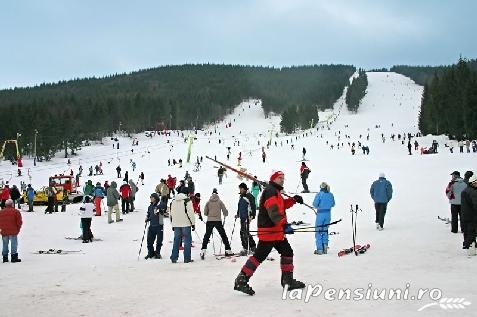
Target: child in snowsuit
pixel 323 202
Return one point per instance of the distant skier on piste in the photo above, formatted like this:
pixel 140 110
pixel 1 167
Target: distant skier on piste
pixel 272 226
pixel 304 172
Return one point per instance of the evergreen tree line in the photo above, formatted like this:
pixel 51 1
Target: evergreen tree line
pixel 68 113
pixel 298 117
pixel 356 91
pixel 449 102
pixel 423 75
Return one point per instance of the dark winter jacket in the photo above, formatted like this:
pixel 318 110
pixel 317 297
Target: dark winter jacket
pixel 469 208
pixel 10 221
pixel 381 191
pixel 112 195
pixel 272 215
pixel 155 214
pixel 246 206
pixel 15 193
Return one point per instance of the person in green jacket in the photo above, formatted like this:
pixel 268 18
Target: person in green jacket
pixel 256 189
pixel 112 198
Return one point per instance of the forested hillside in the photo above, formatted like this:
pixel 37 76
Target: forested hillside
pixel 171 97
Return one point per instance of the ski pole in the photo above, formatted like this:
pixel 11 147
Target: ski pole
pixel 299 229
pixel 355 222
pixel 233 229
pixel 250 177
pixel 142 240
pixel 223 226
pixel 352 227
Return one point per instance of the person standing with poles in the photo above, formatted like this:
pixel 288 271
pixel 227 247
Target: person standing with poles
pixel 246 211
pixel 214 209
pixel 220 174
pixel 272 226
pixel 304 172
pixel 323 203
pixel 155 217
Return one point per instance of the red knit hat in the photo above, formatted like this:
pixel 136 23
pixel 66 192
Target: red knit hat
pixel 276 175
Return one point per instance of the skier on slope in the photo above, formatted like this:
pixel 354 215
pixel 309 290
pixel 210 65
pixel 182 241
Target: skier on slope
pixel 381 192
pixel 453 192
pixel 272 226
pixel 220 174
pixel 155 232
pixel 214 209
pixel 256 189
pixel 469 214
pixel 323 203
pixel 304 153
pixel 246 211
pixel 304 172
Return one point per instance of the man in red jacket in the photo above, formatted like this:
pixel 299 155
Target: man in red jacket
pixel 272 226
pixel 125 190
pixel 10 224
pixel 171 183
pixel 5 195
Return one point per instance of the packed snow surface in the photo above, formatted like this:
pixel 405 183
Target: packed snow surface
pixel 107 279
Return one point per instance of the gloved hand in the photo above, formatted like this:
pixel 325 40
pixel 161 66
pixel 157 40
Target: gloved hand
pixel 298 199
pixel 288 229
pixel 193 227
pixel 236 216
pixel 147 220
pixel 200 217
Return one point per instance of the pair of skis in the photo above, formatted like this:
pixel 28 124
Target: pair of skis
pixel 356 249
pixel 56 251
pixel 446 220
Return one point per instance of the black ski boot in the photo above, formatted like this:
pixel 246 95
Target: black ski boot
pixel 15 258
pixel 5 258
pixel 158 255
pixel 241 284
pixel 150 255
pixel 287 279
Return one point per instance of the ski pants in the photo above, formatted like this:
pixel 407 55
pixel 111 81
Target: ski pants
pixel 51 203
pixel 380 213
pixel 263 250
pixel 245 237
pixel 303 182
pixel 97 205
pixel 220 179
pixel 321 235
pixel 86 226
pixel 131 203
pixel 110 211
pixel 455 216
pixel 209 227
pixel 155 233
pixel 125 205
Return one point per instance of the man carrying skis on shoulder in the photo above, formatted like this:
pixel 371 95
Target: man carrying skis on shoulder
pixel 272 226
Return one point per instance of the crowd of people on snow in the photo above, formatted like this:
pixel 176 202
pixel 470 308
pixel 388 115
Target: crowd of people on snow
pixel 462 196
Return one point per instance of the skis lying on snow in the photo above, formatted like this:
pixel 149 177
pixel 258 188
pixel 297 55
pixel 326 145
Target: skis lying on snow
pixel 446 220
pixel 308 192
pixel 300 223
pixel 358 249
pixel 56 251
pixel 80 238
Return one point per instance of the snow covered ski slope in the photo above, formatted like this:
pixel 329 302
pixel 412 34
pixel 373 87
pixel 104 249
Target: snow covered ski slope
pixel 414 250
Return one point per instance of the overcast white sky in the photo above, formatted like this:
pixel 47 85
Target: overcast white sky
pixel 51 40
